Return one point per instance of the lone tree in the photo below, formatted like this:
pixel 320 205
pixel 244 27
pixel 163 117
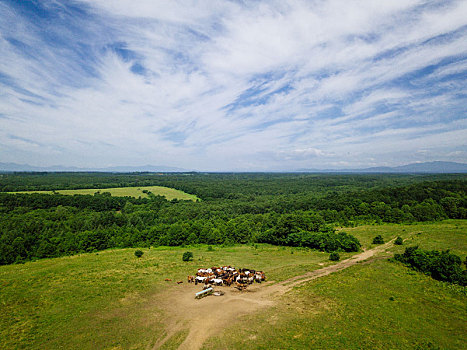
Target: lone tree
pixel 398 241
pixel 187 256
pixel 138 253
pixel 378 240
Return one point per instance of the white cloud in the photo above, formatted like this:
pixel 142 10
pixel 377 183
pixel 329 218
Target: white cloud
pixel 224 85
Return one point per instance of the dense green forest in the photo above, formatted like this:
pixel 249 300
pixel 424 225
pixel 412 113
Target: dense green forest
pixel 281 209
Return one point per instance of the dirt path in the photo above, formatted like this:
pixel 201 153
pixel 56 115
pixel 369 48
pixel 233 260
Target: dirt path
pixel 209 316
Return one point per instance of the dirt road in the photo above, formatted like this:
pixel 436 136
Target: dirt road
pixel 208 316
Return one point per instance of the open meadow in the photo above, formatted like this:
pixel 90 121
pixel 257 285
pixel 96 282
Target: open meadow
pixel 114 300
pixel 168 193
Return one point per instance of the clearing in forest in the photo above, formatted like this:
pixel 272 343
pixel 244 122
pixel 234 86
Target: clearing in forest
pixel 169 193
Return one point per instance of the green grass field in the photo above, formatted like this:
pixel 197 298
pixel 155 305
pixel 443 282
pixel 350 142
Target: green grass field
pixel 113 300
pixel 169 193
pixel 448 234
pixel 368 306
pixel 60 303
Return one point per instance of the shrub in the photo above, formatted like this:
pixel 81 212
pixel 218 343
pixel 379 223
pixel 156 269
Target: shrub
pixel 398 241
pixel 187 256
pixel 138 253
pixel 334 256
pixel 442 266
pixel 378 240
pixel 210 248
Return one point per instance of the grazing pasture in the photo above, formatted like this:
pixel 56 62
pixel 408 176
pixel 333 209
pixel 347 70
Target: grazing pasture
pixel 112 299
pixel 169 193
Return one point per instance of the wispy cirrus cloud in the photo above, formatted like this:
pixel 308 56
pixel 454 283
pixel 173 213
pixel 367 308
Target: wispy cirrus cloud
pixel 264 85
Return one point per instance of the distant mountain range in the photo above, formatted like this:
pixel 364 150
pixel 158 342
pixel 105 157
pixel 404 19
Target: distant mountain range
pixel 427 167
pixel 10 167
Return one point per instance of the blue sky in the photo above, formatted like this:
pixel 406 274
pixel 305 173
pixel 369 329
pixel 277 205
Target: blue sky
pixel 233 85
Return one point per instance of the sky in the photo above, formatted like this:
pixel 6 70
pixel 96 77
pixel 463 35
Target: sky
pixel 233 85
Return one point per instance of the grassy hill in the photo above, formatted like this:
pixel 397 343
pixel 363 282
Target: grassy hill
pixel 113 300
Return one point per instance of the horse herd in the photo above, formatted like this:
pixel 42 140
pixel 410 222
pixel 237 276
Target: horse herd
pixel 227 275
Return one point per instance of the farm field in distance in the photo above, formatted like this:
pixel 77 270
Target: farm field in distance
pixel 111 299
pixel 169 193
